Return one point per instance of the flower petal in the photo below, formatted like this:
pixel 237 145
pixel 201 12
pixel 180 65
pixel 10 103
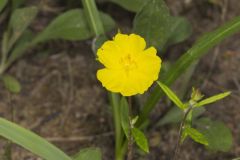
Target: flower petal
pixel 149 63
pixel 112 80
pixel 122 41
pixel 132 43
pixel 137 43
pixel 136 83
pixel 109 55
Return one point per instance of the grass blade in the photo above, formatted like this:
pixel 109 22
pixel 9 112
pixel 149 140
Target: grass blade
pixel 30 141
pixel 92 14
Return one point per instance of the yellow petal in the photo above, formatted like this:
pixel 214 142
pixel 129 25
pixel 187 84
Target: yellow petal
pixel 137 43
pixel 112 80
pixel 149 63
pixel 109 55
pixel 130 44
pixel 121 40
pixel 136 83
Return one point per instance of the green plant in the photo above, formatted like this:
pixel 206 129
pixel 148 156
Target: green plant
pixel 161 30
pixel 210 132
pixel 17 38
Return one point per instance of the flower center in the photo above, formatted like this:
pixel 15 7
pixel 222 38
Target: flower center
pixel 128 63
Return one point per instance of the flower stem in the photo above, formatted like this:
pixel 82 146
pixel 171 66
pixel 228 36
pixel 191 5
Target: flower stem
pixel 114 98
pixel 178 145
pixel 130 137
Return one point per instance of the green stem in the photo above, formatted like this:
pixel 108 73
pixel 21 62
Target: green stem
pixel 130 137
pixel 92 13
pixel 178 145
pixel 115 101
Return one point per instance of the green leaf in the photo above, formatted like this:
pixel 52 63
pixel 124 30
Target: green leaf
pixel 180 30
pixel 20 20
pixel 218 135
pixel 131 5
pixel 140 139
pixel 21 46
pixel 203 45
pixel 3 4
pixel 196 135
pixel 212 99
pixel 134 120
pixel 124 116
pixel 11 83
pixel 89 154
pixel 108 22
pixel 158 27
pixel 171 95
pixel 153 23
pixel 30 141
pixel 71 25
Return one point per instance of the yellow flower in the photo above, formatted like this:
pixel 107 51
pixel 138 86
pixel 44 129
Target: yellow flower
pixel 129 67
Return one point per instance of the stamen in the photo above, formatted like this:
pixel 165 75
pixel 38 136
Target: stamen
pixel 128 63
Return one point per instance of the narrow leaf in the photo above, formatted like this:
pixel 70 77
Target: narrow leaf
pixel 202 46
pixel 21 47
pixel 140 139
pixel 3 4
pixel 212 99
pixel 134 120
pixel 171 95
pixel 11 83
pixel 89 154
pixel 30 141
pixel 196 135
pixel 20 20
pixel 124 116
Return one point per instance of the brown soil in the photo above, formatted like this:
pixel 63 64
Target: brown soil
pixel 62 101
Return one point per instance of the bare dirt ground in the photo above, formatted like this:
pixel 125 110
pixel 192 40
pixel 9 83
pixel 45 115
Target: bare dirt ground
pixel 62 101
